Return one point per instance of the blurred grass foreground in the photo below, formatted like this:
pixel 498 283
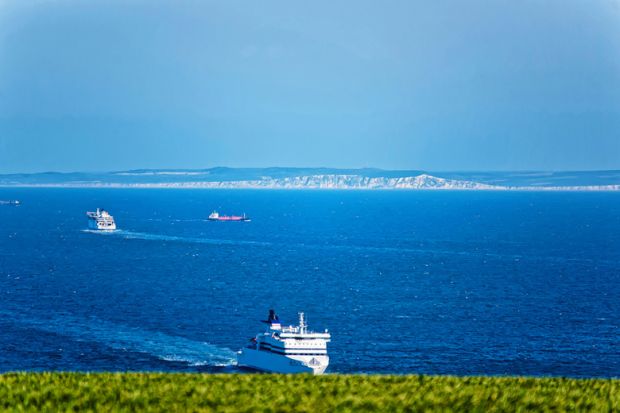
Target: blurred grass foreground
pixel 300 393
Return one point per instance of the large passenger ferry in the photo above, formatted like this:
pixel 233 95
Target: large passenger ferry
pixel 292 349
pixel 101 220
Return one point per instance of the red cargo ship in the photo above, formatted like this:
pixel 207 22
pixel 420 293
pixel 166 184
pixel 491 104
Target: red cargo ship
pixel 215 216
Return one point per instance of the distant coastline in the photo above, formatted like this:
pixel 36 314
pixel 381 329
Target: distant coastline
pixel 322 178
pixel 252 185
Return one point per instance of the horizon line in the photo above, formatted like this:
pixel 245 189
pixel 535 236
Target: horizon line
pixel 365 168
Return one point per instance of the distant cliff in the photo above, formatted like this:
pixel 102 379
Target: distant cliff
pixel 337 182
pixel 323 178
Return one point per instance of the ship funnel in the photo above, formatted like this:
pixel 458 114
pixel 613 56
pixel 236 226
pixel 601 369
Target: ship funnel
pixel 273 320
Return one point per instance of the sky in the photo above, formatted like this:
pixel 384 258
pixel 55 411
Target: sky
pixel 457 85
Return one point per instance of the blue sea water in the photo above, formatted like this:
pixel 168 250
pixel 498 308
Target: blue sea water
pixel 462 283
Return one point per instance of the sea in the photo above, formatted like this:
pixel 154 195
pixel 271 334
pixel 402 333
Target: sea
pixel 407 282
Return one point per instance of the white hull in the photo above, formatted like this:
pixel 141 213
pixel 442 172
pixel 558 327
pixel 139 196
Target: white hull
pixel 275 363
pixel 99 226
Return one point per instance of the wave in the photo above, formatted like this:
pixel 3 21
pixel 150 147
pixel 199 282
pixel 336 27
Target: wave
pixel 378 249
pixel 121 337
pixel 447 252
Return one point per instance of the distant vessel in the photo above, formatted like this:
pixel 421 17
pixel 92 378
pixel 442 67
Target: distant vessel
pixel 101 220
pixel 215 216
pixel 292 349
pixel 10 202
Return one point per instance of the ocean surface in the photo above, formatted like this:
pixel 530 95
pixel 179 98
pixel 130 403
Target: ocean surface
pixel 495 283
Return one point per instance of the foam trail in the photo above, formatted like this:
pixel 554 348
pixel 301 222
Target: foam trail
pixel 101 232
pixel 174 238
pixel 370 249
pixel 121 337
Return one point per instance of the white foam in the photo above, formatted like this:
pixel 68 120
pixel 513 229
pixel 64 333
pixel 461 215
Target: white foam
pixel 174 238
pixel 193 240
pixel 101 232
pixel 122 337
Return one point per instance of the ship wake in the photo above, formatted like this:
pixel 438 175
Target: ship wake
pixel 175 238
pixel 126 338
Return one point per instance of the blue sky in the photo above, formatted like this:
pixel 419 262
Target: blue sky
pixel 435 85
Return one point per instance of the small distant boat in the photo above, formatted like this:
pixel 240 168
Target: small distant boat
pixel 13 202
pixel 101 220
pixel 292 349
pixel 215 216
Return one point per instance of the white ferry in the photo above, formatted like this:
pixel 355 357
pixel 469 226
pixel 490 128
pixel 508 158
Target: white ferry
pixel 101 220
pixel 292 349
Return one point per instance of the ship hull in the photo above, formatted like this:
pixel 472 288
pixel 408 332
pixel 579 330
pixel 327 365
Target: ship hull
pixel 95 226
pixel 275 363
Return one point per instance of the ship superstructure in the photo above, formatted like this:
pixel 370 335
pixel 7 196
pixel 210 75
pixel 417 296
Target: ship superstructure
pixel 101 220
pixel 292 349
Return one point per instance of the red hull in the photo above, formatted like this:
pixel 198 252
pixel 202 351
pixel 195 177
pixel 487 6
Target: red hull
pixel 230 218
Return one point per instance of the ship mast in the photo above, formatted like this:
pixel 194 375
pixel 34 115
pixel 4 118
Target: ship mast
pixel 302 324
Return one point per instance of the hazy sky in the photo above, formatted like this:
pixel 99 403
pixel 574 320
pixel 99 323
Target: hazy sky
pixel 435 85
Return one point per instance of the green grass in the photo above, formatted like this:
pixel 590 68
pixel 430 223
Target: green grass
pixel 300 393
